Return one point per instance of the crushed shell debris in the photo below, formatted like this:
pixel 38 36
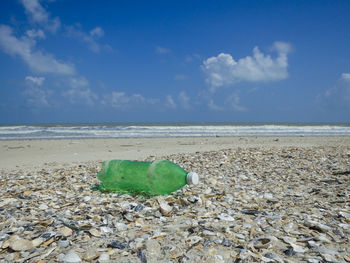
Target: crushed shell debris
pixel 287 204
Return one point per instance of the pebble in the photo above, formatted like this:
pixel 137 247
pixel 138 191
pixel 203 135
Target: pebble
pixel 253 205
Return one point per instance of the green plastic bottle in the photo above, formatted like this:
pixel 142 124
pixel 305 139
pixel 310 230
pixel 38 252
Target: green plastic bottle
pixel 145 178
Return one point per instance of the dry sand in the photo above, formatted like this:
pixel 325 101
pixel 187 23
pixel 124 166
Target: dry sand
pixel 36 154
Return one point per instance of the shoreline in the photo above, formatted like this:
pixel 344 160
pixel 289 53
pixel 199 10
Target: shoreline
pixel 173 137
pixel 41 153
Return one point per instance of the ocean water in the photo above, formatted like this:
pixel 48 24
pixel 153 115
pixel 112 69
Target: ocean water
pixel 156 130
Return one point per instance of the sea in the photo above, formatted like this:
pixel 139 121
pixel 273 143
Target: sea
pixel 166 130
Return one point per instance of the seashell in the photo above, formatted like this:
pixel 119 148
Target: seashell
pixel 289 251
pixel 289 240
pixel 313 260
pixel 65 231
pixel 94 232
pixel 129 217
pixel 312 243
pixel 121 226
pixel 106 230
pixel 117 244
pixel 263 242
pixel 138 208
pixel 87 198
pixel 328 257
pixel 208 233
pixel 38 241
pixel 250 211
pixel 71 257
pixel 43 207
pixel 152 246
pixel 344 214
pixel 63 243
pixel 91 254
pixel 225 217
pixel 193 240
pixel 345 226
pixel 317 226
pixel 240 236
pixel 297 248
pixel 321 238
pixel 175 252
pixel 19 244
pixel 103 258
pixel 164 208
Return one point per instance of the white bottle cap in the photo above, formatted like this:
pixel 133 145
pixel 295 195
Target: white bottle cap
pixel 192 178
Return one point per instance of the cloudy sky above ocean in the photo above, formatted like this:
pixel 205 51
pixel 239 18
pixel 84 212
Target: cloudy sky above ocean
pixel 132 61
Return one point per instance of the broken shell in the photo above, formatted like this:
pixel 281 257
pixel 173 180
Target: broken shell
pixel 103 258
pixel 65 231
pixel 63 243
pixel 19 244
pixel 71 257
pixel 94 232
pixel 164 208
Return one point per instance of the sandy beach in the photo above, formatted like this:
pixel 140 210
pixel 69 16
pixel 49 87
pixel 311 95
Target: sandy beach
pixel 260 199
pixel 36 154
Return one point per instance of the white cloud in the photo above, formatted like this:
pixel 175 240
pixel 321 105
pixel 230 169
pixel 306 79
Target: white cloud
pixel 97 32
pixel 225 70
pixel 184 100
pixel 123 101
pixel 33 33
pixel 341 91
pixel 213 106
pixel 37 97
pixel 170 103
pixel 89 38
pixel 233 101
pixel 338 96
pixel 80 93
pixel 36 60
pixel 76 83
pixel 81 96
pixel 38 81
pixel 35 11
pixel 345 76
pixel 162 50
pixel 38 14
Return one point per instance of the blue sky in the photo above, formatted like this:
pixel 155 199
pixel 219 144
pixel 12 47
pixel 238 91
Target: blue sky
pixel 174 61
